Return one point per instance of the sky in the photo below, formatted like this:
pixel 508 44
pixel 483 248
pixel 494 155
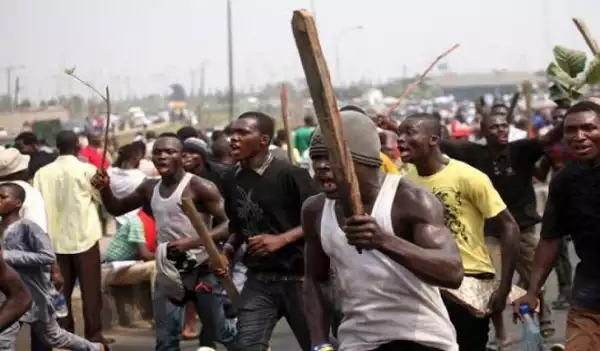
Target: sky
pixel 141 46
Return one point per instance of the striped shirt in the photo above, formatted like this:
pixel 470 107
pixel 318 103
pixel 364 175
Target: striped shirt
pixel 71 204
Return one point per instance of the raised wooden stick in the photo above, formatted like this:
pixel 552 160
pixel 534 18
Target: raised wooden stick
pixel 416 83
pixel 587 36
pixel 326 109
pixel 188 207
pixel 106 97
pixel 286 122
pixel 527 89
pixel 106 128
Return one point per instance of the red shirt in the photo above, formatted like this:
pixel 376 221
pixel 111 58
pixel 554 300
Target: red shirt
pixel 94 156
pixel 149 230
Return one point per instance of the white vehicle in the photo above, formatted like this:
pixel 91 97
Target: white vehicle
pixel 137 117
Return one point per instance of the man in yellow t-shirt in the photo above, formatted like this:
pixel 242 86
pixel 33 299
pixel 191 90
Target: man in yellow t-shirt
pixel 469 198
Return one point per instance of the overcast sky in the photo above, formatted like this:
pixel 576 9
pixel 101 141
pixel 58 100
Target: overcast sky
pixel 152 43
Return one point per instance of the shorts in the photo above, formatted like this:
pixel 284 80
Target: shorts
pixel 583 330
pixel 527 245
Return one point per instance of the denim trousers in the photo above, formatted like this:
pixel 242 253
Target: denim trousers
pixel 262 304
pixel 169 317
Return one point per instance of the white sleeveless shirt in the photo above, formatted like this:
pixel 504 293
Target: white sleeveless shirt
pixel 381 300
pixel 171 222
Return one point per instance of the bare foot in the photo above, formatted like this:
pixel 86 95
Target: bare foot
pixel 189 333
pixel 100 346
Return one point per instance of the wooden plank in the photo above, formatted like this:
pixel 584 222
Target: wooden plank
pixel 188 207
pixel 286 122
pixel 326 109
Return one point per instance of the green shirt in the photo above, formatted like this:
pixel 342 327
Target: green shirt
pixel 123 245
pixel 302 138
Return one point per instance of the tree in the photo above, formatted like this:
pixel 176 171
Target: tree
pixel 177 92
pixel 569 75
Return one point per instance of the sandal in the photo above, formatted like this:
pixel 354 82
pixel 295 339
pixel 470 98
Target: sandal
pixel 547 329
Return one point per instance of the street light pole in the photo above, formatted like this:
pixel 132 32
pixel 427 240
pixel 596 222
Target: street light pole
pixel 9 71
pixel 230 62
pixel 341 34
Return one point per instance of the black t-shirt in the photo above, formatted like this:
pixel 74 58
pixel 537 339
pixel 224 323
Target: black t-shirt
pixel 269 204
pixel 511 173
pixel 573 208
pixel 214 172
pixel 38 160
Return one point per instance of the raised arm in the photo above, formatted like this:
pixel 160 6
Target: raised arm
pixel 433 255
pixel 115 206
pixel 18 298
pixel 316 272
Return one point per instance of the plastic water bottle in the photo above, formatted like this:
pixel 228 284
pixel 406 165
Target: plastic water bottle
pixel 532 338
pixel 60 305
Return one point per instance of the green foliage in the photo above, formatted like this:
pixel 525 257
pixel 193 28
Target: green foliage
pixel 569 73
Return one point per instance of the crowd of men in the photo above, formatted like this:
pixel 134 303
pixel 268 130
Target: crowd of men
pixel 442 217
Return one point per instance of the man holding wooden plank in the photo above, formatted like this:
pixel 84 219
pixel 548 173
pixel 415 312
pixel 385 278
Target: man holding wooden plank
pixel 178 243
pixel 389 295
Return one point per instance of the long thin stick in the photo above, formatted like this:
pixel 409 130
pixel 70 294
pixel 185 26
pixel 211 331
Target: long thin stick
pixel 527 89
pixel 326 109
pixel 106 97
pixel 106 128
pixel 587 36
pixel 416 83
pixel 188 207
pixel 286 122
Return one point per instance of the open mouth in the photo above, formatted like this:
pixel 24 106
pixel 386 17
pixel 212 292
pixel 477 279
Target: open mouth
pixel 404 151
pixel 582 149
pixel 503 138
pixel 234 149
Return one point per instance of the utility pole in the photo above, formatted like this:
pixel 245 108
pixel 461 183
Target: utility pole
pixel 230 63
pixel 202 89
pixel 17 92
pixel 9 70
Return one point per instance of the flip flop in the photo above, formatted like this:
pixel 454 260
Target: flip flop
pixel 547 330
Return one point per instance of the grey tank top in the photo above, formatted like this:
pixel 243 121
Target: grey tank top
pixel 171 222
pixel 381 300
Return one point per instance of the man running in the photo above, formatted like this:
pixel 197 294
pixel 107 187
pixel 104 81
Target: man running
pixel 469 198
pixel 388 291
pixel 511 165
pixel 263 200
pixel 174 229
pixel 573 208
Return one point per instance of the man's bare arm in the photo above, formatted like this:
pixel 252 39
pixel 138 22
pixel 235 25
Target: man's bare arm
pixel 18 298
pixel 509 246
pixel 208 197
pixel 433 256
pixel 135 200
pixel 316 272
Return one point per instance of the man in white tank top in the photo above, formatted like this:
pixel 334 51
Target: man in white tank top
pixel 173 227
pixel 388 265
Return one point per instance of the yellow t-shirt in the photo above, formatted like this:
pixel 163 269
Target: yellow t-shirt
pixel 387 164
pixel 469 198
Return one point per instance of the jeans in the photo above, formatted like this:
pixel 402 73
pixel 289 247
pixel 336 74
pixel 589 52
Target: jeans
pixel 169 317
pixel 261 306
pixel 563 267
pixel 50 334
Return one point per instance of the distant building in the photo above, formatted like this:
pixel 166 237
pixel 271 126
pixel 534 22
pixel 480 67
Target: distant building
pixel 469 86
